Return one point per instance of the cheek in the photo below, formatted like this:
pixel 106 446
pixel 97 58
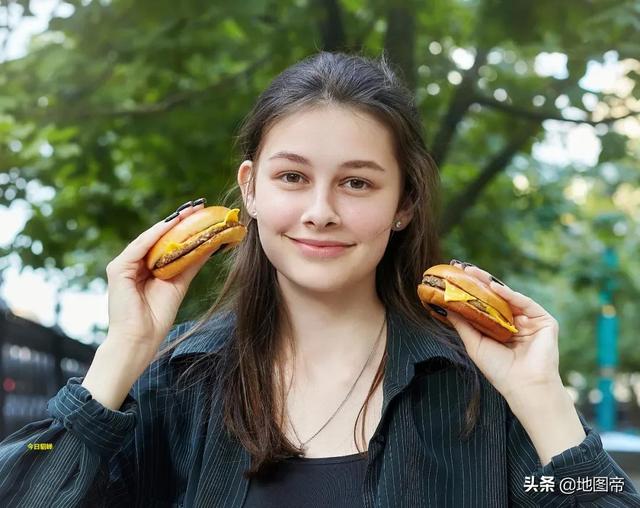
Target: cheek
pixel 371 224
pixel 277 211
pixel 278 219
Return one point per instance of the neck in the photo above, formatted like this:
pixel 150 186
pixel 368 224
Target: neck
pixel 332 332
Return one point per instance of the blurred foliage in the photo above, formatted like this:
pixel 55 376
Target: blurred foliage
pixel 123 110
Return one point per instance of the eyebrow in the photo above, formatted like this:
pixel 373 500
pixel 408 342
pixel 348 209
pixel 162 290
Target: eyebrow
pixel 354 164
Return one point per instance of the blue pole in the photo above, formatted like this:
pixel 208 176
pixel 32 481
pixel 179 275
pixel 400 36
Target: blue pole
pixel 607 331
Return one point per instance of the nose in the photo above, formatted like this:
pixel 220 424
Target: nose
pixel 322 210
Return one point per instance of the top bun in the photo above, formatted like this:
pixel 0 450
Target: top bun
pixel 188 227
pixel 473 286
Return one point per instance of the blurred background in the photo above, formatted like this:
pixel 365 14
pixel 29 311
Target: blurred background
pixel 114 112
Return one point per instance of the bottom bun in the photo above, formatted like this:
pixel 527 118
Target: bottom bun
pixel 226 239
pixel 479 320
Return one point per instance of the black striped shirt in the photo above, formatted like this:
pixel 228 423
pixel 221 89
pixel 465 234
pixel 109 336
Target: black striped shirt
pixel 163 448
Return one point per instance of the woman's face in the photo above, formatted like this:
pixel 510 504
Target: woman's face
pixel 309 186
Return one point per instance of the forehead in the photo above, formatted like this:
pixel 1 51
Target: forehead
pixel 330 135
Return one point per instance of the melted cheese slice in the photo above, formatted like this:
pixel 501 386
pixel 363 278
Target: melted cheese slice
pixel 498 317
pixel 231 216
pixel 171 246
pixel 455 294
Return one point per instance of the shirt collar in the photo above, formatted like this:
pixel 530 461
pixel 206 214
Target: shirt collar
pixel 407 346
pixel 208 339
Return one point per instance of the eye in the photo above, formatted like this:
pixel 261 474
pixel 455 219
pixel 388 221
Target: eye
pixel 284 175
pixel 365 186
pixel 361 184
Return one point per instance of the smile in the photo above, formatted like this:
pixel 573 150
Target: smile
pixel 320 252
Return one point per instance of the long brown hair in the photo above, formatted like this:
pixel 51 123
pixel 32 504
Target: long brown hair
pixel 250 365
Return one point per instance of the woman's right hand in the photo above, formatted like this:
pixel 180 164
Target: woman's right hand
pixel 142 309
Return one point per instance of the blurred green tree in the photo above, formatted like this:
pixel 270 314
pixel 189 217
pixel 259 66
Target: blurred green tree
pixel 124 109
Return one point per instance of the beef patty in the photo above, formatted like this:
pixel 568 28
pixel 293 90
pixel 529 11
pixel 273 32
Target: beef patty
pixel 191 244
pixel 437 282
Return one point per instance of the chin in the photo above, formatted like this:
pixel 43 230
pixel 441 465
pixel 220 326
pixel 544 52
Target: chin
pixel 313 280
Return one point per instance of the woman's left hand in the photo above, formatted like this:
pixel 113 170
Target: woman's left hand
pixel 526 366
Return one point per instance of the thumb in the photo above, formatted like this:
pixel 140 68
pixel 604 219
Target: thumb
pixel 184 278
pixel 469 335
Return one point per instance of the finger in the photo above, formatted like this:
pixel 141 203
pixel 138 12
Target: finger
pixel 481 348
pixel 524 304
pixel 519 302
pixel 190 207
pixel 480 276
pixel 479 273
pixel 469 335
pixel 139 247
pixel 183 279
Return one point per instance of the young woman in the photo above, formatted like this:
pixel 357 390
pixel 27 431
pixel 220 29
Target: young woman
pixel 316 378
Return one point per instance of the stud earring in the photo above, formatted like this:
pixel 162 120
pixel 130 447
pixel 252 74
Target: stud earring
pixel 398 224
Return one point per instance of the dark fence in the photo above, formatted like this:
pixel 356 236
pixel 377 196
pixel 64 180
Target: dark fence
pixel 36 362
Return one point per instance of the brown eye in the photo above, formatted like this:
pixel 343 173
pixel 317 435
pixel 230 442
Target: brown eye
pixel 289 174
pixel 365 185
pixel 361 184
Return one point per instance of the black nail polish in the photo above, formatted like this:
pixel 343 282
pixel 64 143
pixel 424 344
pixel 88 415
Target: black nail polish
pixel 172 216
pixel 454 261
pixel 467 264
pixel 185 205
pixel 438 309
pixel 199 201
pixel 497 280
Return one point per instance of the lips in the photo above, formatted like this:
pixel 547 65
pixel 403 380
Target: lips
pixel 321 243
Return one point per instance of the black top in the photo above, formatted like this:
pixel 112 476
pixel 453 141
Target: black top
pixel 334 482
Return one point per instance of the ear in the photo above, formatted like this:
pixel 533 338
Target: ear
pixel 245 174
pixel 404 216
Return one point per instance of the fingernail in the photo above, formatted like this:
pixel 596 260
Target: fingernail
pixel 468 264
pixel 172 216
pixel 497 280
pixel 186 205
pixel 199 201
pixel 454 261
pixel 438 309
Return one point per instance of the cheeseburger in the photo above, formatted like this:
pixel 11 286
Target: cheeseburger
pixel 447 287
pixel 210 230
